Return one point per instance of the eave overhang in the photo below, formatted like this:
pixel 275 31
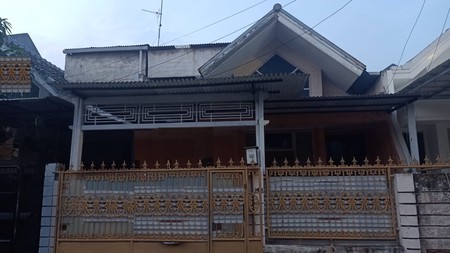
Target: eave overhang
pixel 282 93
pixel 277 87
pixel 13 111
pixel 354 103
pixel 434 84
pixel 106 49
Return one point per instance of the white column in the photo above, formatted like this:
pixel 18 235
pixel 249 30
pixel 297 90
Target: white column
pixel 260 141
pixel 399 141
pixel 77 135
pixel 140 75
pixel 412 130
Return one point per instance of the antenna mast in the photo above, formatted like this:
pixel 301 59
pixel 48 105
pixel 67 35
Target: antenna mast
pixel 159 16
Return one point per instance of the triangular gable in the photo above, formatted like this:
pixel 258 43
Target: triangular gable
pixel 278 32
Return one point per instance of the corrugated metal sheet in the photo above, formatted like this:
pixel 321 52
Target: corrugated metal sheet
pixel 139 47
pixel 433 84
pixel 351 103
pixel 278 86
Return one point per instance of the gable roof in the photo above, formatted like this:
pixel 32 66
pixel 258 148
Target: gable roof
pixel 428 72
pixel 24 41
pixel 42 72
pixel 47 70
pixel 278 30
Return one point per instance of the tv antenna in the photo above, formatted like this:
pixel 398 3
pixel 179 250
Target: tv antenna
pixel 159 16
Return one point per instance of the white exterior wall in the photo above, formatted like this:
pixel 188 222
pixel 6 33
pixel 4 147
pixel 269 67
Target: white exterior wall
pixel 380 86
pixel 108 66
pixel 443 139
pixel 178 62
pixel 126 66
pixel 433 116
pixel 433 120
pixel 433 110
pixel 330 89
pixel 308 67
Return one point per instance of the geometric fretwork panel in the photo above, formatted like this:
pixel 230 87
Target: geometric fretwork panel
pixel 168 113
pixel 339 203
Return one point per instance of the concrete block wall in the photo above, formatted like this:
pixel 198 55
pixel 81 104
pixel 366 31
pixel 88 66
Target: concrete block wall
pixel 330 249
pixel 433 197
pixel 48 216
pixel 407 215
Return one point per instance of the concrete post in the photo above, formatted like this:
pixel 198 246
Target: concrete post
pixel 49 203
pixel 77 135
pixel 260 140
pixel 260 143
pixel 407 219
pixel 412 130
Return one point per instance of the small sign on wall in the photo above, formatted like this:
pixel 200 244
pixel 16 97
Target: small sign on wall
pixel 251 154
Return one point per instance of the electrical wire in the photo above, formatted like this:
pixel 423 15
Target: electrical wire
pixel 287 42
pixel 123 59
pixel 439 39
pixel 216 22
pixel 406 43
pixel 181 55
pixel 273 50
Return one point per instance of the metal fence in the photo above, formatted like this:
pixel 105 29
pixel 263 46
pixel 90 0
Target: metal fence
pixel 330 202
pixel 170 203
pixel 166 204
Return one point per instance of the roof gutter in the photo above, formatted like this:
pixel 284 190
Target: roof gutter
pixel 105 49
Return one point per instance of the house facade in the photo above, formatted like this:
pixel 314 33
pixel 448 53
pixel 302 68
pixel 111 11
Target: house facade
pixel 278 138
pixel 242 120
pixel 425 74
pixel 33 133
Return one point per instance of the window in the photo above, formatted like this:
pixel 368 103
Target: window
pixel 346 146
pixel 276 65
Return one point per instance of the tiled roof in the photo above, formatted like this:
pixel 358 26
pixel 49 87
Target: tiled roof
pixel 47 70
pixel 24 40
pixel 44 68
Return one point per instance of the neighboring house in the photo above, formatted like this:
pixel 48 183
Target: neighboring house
pixel 426 128
pixel 427 75
pixel 33 132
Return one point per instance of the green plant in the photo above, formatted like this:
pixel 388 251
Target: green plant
pixel 5 30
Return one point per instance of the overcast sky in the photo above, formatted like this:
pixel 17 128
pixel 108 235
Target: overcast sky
pixel 373 31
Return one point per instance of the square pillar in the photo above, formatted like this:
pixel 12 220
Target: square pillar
pixel 407 218
pixel 76 147
pixel 47 236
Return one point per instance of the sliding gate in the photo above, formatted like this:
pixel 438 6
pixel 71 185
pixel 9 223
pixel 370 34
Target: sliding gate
pixel 161 210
